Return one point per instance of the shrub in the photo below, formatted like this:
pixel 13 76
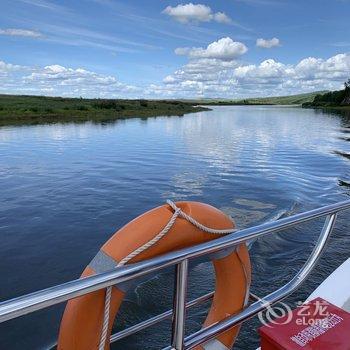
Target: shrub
pixel 333 98
pixel 105 104
pixel 82 108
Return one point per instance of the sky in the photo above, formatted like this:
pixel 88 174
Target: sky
pixel 173 49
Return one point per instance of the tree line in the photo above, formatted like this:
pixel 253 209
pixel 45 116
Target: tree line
pixel 332 98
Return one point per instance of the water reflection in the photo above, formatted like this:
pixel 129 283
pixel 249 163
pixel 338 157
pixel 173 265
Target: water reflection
pixel 65 188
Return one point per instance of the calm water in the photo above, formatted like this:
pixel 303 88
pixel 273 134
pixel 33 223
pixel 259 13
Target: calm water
pixel 65 189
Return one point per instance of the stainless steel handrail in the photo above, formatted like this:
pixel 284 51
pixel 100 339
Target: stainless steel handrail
pixel 212 331
pixel 156 319
pixel 164 316
pixel 38 300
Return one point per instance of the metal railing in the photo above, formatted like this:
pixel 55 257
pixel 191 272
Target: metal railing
pixel 47 297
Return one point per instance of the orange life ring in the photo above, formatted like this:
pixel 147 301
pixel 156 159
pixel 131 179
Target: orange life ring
pixel 83 317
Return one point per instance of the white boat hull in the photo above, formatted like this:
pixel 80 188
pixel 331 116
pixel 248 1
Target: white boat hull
pixel 336 287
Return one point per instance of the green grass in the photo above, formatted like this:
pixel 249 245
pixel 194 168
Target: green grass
pixel 275 100
pixel 40 109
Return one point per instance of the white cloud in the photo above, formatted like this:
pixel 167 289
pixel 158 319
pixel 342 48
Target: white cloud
pixel 202 76
pixel 189 12
pixel 8 67
pixel 183 51
pixel 212 77
pixel 336 67
pixel 195 13
pixel 267 43
pixel 221 17
pixel 169 79
pixel 223 49
pixel 20 32
pixel 58 80
pixel 6 70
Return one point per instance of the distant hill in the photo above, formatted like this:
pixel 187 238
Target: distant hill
pixel 275 100
pixel 287 100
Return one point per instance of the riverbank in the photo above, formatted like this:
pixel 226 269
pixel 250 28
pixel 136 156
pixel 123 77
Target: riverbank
pixel 40 109
pixel 331 108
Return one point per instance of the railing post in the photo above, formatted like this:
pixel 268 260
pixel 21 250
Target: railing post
pixel 179 315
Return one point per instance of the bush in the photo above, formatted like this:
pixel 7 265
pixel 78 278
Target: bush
pixel 333 98
pixel 105 104
pixel 81 108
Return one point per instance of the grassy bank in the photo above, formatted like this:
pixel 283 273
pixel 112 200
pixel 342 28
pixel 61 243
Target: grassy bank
pixel 40 109
pixel 277 100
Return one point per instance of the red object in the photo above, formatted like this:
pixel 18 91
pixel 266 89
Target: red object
pixel 317 325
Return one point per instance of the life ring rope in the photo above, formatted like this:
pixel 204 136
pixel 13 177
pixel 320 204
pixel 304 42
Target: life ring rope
pixel 177 213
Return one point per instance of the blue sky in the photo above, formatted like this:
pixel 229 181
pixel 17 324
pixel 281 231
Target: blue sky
pixel 115 48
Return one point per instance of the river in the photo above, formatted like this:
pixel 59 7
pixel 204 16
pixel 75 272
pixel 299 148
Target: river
pixel 65 188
